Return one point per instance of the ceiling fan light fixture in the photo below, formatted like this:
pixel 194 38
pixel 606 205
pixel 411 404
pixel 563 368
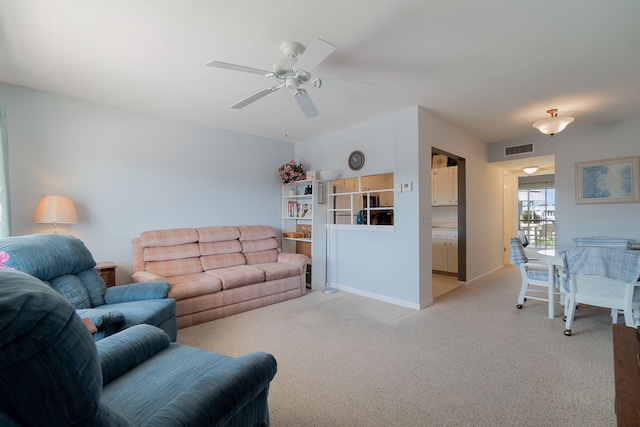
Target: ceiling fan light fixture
pixel 552 125
pixel 291 83
pixel 530 169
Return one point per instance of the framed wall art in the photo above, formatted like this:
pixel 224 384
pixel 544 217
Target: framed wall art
pixel 608 181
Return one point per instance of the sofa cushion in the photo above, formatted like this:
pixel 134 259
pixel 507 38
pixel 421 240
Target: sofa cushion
pixel 192 285
pixel 166 253
pixel 175 267
pixel 171 237
pixel 261 257
pixel 239 275
pixel 151 312
pixel 71 287
pixel 256 232
pixel 275 271
pixel 221 254
pixel 213 262
pixel 96 287
pixel 218 233
pixel 260 251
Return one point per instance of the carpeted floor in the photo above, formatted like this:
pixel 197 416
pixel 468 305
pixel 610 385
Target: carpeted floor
pixel 471 359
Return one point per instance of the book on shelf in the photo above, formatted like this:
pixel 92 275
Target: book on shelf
pixel 299 210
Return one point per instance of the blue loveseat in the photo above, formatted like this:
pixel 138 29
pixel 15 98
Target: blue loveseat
pixel 53 374
pixel 64 263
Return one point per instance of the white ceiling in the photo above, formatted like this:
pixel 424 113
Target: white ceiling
pixel 490 67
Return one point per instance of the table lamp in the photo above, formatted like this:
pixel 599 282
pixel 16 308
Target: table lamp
pixel 55 210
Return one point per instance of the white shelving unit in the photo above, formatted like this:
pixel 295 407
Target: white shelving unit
pixel 300 211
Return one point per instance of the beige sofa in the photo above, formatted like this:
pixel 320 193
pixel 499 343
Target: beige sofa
pixel 220 270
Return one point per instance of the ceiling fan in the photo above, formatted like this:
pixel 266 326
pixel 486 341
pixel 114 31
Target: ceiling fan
pixel 293 71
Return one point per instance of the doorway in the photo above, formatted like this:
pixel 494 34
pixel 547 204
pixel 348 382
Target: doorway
pixel 448 222
pixel 537 210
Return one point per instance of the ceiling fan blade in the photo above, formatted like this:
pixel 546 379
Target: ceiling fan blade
pixel 234 67
pixel 343 85
pixel 248 100
pixel 306 104
pixel 313 55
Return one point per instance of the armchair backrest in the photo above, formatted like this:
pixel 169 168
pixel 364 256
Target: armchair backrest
pixel 604 241
pixel 516 254
pixel 61 261
pixel 49 368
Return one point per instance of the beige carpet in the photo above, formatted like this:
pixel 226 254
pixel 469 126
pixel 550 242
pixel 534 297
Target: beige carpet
pixel 471 359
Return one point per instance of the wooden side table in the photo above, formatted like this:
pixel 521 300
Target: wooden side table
pixel 107 271
pixel 626 368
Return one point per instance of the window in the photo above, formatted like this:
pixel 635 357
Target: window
pixel 537 216
pixel 366 200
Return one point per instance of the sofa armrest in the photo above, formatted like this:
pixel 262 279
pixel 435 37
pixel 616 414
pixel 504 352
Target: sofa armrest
pixel 136 292
pixel 299 260
pixel 147 276
pixel 220 394
pixel 101 318
pixel 119 353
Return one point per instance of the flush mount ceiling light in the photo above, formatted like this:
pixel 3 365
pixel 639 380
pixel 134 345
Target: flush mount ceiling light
pixel 552 125
pixel 530 169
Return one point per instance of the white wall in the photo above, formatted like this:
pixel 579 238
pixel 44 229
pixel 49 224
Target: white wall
pixel 379 264
pixel 484 188
pixel 581 144
pixel 396 266
pixel 128 172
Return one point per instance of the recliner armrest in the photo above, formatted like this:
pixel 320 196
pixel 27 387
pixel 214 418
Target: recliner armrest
pixel 226 389
pixel 101 318
pixel 119 353
pixel 136 292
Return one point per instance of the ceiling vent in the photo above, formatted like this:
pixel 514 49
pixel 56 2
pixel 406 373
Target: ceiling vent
pixel 518 149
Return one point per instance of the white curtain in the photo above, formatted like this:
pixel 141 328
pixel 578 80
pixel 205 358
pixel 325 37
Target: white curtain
pixel 5 207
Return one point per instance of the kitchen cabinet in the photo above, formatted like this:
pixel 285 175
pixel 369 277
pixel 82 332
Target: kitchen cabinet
pixel 444 249
pixel 444 186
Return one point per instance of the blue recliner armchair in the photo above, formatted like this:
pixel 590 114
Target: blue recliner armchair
pixel 53 374
pixel 64 263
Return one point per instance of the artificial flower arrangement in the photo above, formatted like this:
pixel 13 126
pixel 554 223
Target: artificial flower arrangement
pixel 291 172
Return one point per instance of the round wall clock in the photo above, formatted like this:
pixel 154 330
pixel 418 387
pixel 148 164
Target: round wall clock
pixel 356 160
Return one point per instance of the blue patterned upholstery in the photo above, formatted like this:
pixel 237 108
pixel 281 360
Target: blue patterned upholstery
pixel 66 265
pixel 617 242
pixel 537 272
pixel 52 373
pixel 517 255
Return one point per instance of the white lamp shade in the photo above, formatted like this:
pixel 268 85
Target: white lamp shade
pixel 551 126
pixel 330 175
pixel 55 210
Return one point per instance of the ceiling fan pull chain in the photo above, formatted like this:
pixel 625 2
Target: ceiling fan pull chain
pixel 285 115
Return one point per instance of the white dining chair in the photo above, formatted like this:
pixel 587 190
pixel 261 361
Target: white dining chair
pixel 608 288
pixel 537 278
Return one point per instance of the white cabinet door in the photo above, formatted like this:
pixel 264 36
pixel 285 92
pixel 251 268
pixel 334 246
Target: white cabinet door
pixel 439 255
pixel 444 251
pixel 444 186
pixel 452 256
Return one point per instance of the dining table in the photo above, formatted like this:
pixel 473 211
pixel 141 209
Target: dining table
pixel 554 260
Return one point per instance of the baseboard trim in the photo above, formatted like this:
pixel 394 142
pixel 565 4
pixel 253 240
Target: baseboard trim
pixel 378 297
